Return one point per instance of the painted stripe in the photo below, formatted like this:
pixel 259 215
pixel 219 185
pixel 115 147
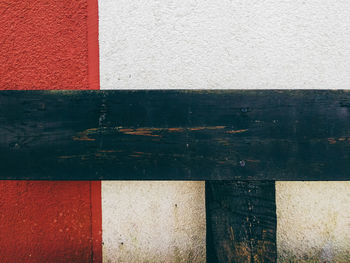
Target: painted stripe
pixel 157 221
pixel 49 45
pixel 93 45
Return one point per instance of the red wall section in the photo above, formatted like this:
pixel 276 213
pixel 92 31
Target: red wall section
pixel 46 221
pixel 49 44
pixel 43 44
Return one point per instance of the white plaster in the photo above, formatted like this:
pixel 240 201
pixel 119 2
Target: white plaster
pixel 244 44
pixel 226 44
pixel 313 221
pixel 145 221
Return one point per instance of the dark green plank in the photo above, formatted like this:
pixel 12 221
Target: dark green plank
pixel 175 135
pixel 241 221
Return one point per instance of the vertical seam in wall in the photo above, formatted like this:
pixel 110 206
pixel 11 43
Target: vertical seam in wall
pixel 94 84
pixel 210 246
pixel 91 223
pixel 93 45
pixel 96 221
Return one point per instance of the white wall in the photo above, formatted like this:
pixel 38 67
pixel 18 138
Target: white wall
pixel 313 221
pixel 226 44
pixel 153 221
pixel 156 44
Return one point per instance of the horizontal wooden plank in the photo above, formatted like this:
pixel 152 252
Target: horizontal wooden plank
pixel 175 135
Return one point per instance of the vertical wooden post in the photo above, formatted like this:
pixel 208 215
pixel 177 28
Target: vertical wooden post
pixel 241 221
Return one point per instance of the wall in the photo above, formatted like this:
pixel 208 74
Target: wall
pixel 173 44
pixel 313 221
pixel 229 44
pixel 232 44
pixel 43 44
pixel 153 221
pixel 45 221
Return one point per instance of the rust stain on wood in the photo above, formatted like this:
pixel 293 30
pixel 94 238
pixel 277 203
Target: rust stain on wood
pixel 196 129
pixel 142 131
pixel 84 135
pixel 175 129
pixel 237 131
pixel 79 156
pixel 333 140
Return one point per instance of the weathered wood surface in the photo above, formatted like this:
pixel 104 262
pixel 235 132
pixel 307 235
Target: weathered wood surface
pixel 176 135
pixel 241 221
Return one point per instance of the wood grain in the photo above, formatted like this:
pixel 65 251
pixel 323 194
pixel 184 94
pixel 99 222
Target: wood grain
pixel 241 221
pixel 175 135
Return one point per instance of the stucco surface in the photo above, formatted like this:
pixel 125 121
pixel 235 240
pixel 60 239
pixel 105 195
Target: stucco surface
pixel 224 44
pixel 45 221
pixel 192 44
pixel 313 221
pixel 43 44
pixel 153 221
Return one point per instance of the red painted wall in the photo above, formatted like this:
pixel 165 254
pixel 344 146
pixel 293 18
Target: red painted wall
pixel 45 221
pixel 44 44
pixel 49 44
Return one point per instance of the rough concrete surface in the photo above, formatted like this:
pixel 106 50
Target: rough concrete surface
pixel 153 44
pixel 145 221
pixel 313 221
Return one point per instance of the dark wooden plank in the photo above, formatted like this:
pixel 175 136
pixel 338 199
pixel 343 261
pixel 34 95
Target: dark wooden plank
pixel 176 135
pixel 241 221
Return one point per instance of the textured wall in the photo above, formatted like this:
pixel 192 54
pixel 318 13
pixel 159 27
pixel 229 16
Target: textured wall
pixel 239 44
pixel 153 221
pixel 171 44
pixel 224 44
pixel 43 221
pixel 313 221
pixel 43 44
